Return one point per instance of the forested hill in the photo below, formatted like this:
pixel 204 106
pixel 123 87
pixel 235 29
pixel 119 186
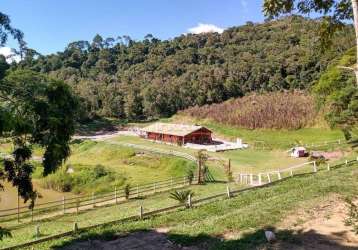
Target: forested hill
pixel 150 78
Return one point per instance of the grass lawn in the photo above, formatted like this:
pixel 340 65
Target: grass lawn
pixel 247 160
pixel 254 161
pixel 279 139
pixel 25 232
pixel 123 164
pixel 249 213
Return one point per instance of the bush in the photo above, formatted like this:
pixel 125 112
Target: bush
pixel 83 179
pixel 127 190
pixel 181 196
pixel 352 219
pixel 190 176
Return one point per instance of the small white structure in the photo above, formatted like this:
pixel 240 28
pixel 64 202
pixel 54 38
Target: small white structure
pixel 298 152
pixel 221 145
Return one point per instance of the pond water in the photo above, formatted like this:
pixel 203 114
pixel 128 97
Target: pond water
pixel 9 195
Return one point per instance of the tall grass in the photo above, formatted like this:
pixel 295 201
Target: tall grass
pixel 277 110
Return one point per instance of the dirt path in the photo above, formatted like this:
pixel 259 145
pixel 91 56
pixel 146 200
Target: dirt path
pixel 320 228
pixel 105 136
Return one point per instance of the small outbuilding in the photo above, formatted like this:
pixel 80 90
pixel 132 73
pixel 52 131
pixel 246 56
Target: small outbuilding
pixel 177 133
pixel 298 152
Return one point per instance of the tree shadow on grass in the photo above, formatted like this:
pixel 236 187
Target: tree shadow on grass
pixel 97 126
pixel 155 239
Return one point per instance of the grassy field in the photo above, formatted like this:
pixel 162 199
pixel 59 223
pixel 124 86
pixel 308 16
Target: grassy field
pixel 275 139
pixel 118 166
pixel 248 214
pixel 121 165
pixel 247 160
pixel 25 231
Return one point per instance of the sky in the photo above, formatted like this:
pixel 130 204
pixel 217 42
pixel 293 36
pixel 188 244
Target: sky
pixel 49 25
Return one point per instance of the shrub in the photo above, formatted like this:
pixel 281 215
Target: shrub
pixel 352 219
pixel 190 176
pixel 127 190
pixel 181 196
pixel 84 179
pixel 230 177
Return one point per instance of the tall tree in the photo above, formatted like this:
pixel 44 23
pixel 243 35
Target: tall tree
pixel 34 109
pixel 334 14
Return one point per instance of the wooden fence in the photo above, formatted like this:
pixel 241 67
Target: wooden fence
pixel 84 202
pixel 142 214
pixel 258 179
pixel 268 177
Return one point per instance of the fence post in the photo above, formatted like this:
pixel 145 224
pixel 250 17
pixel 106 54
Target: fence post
pixel 18 206
pixel 339 141
pixel 328 167
pixel 357 158
pixel 140 212
pixel 260 180
pixel 268 177
pixel 37 231
pixel 346 162
pixel 115 194
pixel 229 166
pixel 279 175
pixel 291 173
pixel 314 167
pixel 184 181
pixel 251 179
pixel 189 200
pixel 93 200
pixel 228 192
pixel 63 204
pixel 75 227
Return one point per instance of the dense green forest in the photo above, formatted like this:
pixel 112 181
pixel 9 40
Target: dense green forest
pixel 146 79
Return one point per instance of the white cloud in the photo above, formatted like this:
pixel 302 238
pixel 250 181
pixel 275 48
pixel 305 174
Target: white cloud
pixel 9 54
pixel 205 28
pixel 244 5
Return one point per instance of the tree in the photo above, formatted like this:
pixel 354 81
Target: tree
pixel 38 110
pixel 156 78
pixel 337 92
pixel 202 158
pixel 34 109
pixel 6 29
pixel 334 14
pixel 342 100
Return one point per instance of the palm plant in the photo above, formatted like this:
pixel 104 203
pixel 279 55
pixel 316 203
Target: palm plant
pixel 181 196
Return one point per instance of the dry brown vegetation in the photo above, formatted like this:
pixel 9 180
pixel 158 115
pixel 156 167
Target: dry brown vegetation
pixel 279 110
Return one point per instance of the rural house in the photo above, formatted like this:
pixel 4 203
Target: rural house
pixel 177 133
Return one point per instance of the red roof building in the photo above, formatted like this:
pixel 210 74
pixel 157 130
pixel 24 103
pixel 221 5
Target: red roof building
pixel 177 133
